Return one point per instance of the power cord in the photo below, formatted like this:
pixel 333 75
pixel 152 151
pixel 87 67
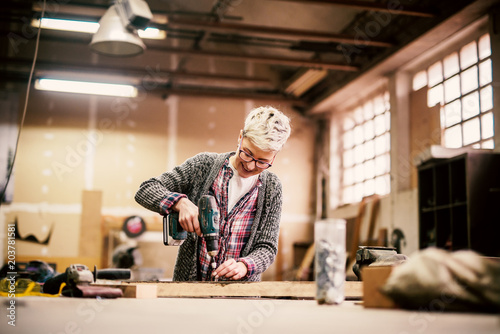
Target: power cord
pixel 9 173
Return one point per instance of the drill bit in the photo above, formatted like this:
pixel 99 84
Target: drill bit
pixel 214 266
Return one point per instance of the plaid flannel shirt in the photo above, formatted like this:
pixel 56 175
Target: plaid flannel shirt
pixel 235 226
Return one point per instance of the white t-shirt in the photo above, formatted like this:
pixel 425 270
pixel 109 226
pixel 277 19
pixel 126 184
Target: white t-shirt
pixel 238 187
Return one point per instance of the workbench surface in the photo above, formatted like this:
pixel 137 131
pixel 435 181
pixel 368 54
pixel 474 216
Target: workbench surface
pixel 229 315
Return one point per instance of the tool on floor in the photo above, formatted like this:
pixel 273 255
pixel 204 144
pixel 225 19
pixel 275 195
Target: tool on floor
pixel 78 278
pixel 21 287
pixel 208 216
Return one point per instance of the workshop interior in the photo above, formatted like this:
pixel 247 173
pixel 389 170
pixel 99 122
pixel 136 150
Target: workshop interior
pixel 395 134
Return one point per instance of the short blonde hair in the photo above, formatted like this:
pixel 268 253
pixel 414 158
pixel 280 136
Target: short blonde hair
pixel 268 128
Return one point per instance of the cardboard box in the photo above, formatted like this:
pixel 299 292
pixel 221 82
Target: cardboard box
pixel 373 279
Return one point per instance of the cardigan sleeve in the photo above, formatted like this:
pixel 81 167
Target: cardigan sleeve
pixel 264 246
pixel 159 193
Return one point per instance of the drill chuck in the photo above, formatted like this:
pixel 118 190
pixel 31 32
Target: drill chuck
pixel 212 242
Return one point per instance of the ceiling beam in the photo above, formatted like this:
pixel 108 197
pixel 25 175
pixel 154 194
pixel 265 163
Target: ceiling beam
pixel 231 94
pixel 310 63
pixel 396 8
pixel 70 6
pixel 151 73
pixel 292 34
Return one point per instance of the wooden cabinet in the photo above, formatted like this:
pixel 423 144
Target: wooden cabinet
pixel 459 203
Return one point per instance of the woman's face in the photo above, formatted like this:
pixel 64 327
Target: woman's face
pixel 249 152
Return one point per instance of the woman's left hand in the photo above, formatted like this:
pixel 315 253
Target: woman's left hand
pixel 231 269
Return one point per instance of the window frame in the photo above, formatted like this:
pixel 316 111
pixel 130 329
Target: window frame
pixel 359 122
pixel 484 138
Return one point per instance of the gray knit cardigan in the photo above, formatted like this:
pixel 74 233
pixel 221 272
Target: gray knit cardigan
pixel 194 178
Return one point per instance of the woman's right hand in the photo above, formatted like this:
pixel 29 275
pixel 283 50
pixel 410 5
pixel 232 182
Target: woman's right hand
pixel 188 215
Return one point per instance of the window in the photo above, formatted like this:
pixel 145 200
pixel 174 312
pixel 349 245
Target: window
pixel 365 150
pixel 461 84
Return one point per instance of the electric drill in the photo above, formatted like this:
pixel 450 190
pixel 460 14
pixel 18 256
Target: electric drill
pixel 208 217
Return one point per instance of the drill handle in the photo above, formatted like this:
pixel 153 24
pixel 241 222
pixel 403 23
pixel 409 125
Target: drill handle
pixel 173 233
pixel 165 230
pixel 112 274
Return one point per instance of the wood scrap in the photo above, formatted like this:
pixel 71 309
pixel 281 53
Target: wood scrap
pixel 356 241
pixel 305 265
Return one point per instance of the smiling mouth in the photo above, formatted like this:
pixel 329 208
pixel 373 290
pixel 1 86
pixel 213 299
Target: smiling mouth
pixel 244 168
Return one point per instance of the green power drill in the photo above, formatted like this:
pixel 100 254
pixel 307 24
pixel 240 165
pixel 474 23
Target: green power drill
pixel 208 216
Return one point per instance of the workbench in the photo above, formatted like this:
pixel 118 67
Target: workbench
pixel 230 315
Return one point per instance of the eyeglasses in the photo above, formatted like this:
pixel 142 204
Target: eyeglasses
pixel 249 158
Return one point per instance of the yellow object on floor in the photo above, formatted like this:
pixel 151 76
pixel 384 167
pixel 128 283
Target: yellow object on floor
pixel 23 287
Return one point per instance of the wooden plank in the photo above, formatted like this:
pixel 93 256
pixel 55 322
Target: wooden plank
pixel 307 290
pixel 132 290
pixel 90 227
pixel 140 291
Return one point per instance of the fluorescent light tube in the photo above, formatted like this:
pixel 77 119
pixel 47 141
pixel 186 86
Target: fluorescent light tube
pixel 67 25
pixel 91 27
pixel 84 87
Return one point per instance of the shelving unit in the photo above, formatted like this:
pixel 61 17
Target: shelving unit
pixel 459 203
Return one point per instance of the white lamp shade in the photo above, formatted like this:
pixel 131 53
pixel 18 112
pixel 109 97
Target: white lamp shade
pixel 113 38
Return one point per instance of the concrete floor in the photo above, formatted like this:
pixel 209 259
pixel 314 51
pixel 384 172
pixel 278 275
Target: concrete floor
pixel 245 316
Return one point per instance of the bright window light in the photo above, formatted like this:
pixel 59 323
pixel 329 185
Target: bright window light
pixel 420 80
pixel 91 27
pixel 83 87
pixel 152 33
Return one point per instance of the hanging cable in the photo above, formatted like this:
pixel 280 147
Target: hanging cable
pixel 25 108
